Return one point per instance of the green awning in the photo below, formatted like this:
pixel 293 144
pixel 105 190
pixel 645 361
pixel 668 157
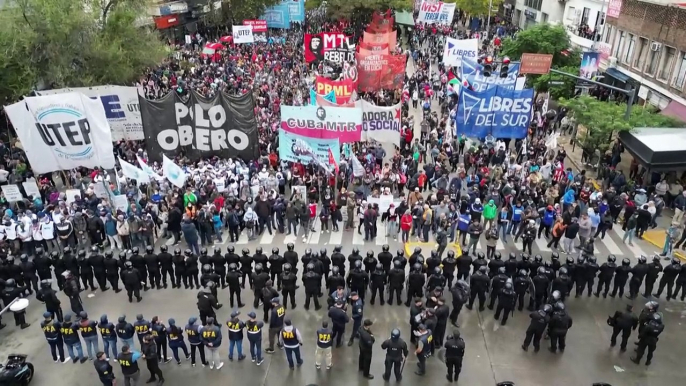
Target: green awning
pixel 404 18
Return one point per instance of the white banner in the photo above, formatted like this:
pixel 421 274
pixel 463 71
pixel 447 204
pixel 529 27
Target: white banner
pixel 121 108
pixel 436 12
pixel 173 172
pixel 381 124
pixel 72 194
pixel 455 49
pixel 12 193
pixel 148 170
pixel 243 34
pixel 31 188
pixel 62 132
pixel 120 202
pixel 132 172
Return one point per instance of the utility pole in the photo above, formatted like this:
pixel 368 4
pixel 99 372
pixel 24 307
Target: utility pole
pixel 488 22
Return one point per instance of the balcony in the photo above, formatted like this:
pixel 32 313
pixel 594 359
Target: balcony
pixel 579 37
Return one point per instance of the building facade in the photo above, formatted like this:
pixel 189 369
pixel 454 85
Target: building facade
pixel 585 22
pixel 530 12
pixel 647 51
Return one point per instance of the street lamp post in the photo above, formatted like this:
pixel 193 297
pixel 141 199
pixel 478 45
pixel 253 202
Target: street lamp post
pixel 488 22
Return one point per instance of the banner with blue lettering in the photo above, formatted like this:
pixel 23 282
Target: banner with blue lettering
pixel 278 16
pixel 331 97
pixel 298 148
pixel 472 72
pixel 497 110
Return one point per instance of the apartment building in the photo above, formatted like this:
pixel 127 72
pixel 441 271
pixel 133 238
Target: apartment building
pixel 530 12
pixel 647 50
pixel 584 21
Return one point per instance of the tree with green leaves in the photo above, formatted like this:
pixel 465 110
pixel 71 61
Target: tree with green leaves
pixel 476 7
pixel 601 121
pixel 74 43
pixel 343 9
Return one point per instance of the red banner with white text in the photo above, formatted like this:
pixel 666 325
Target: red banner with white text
pixel 378 72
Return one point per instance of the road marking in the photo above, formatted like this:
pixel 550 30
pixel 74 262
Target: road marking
pixel 542 244
pixel 336 238
pixel 290 239
pixel 267 238
pixel 637 251
pixel 242 238
pixel 500 245
pixel 610 244
pixel 314 237
pixel 358 239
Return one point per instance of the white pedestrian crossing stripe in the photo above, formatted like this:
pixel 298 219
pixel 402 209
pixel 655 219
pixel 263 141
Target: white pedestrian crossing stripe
pixel 267 238
pixel 336 238
pixel 358 239
pixel 611 246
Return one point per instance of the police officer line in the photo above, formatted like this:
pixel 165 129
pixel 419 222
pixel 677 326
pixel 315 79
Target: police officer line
pixel 611 244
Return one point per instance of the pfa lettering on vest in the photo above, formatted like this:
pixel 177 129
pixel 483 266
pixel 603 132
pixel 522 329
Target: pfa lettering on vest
pixel 209 133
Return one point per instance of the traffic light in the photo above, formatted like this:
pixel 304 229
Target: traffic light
pixel 504 68
pixel 488 66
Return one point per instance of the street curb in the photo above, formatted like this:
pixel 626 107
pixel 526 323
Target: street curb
pixel 647 237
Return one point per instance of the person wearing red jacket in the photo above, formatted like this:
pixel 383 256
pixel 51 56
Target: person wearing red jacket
pixel 406 225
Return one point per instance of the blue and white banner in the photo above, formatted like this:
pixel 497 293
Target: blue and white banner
pixel 173 172
pixel 436 12
pixel 296 10
pixel 456 49
pixel 499 111
pixel 472 72
pixel 331 97
pixel 297 148
pixel 278 16
pixel 132 172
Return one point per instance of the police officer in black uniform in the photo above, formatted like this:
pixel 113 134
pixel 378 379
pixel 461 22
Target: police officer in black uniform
pixel 648 338
pixel 506 301
pixel 415 283
pixel 338 321
pixel 97 262
pixel 497 284
pixel 591 269
pixel 166 266
pixel 338 260
pixel 366 343
pixel 523 284
pixel 260 258
pixel 511 265
pixel 385 258
pixel 559 323
pixel 607 271
pixel 86 271
pixel 454 352
pixel 233 281
pixel 60 267
pixel 112 271
pixel 353 257
pixel 333 282
pixel 276 262
pixel 104 369
pixel 28 269
pixel 378 283
pixel 139 264
pixel 207 303
pixel 312 282
pixel 43 264
pixel 638 273
pixel 179 269
pixel 48 296
pixel 152 263
pixel 259 278
pixel 396 352
pixel 668 277
pixel 191 268
pixel 326 263
pixel 449 264
pixel 288 284
pixel 369 263
pixel 396 280
pixel 291 257
pixel 654 269
pixel 208 275
pixel 464 265
pixel 624 322
pixel 478 284
pixel 131 279
pixel 358 279
pixel 460 294
pixel 539 321
pixel 246 267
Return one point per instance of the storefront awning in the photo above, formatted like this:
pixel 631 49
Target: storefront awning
pixel 615 73
pixel 659 149
pixel 675 110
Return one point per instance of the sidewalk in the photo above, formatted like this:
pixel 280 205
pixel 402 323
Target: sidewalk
pixel 657 238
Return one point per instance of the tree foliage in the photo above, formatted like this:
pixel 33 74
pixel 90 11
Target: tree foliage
pixel 602 120
pixel 344 9
pixel 540 83
pixel 73 43
pixel 476 7
pixel 543 39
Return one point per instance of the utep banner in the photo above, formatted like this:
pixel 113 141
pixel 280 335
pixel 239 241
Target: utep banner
pixel 259 29
pixel 314 97
pixel 224 126
pixel 331 46
pixel 343 89
pixel 378 72
pixel 381 124
pixel 63 132
pixel 456 49
pixel 503 113
pixel 433 12
pixel 242 34
pixel 278 16
pixel 298 148
pixel 121 108
pixel 323 122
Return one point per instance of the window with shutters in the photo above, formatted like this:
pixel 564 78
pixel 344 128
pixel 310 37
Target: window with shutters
pixel 680 73
pixel 666 64
pixel 631 44
pixel 641 53
pixel 653 60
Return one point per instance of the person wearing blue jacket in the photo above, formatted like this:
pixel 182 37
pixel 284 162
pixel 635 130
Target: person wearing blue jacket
pixel 548 215
pixel 194 333
pixel 176 342
pixel 568 199
pixel 211 337
pixel 517 212
pixel 462 226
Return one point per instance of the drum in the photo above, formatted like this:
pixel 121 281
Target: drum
pixel 20 305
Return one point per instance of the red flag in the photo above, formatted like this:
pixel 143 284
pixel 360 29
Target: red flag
pixel 332 161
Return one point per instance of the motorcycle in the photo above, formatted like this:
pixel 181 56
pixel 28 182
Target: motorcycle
pixel 16 371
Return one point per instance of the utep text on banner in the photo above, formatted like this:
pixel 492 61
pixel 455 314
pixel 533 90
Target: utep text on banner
pixel 332 46
pixel 278 16
pixel 381 124
pixel 224 126
pixel 63 131
pixel 242 34
pixel 343 89
pixel 456 49
pixel 259 29
pixel 121 108
pixel 503 113
pixel 298 148
pixel 329 97
pixel 436 12
pixel 323 122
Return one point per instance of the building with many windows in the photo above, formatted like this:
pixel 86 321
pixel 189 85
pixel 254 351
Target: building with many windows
pixel 585 21
pixel 530 12
pixel 645 47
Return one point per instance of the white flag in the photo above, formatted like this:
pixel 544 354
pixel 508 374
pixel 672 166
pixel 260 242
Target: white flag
pixel 358 169
pixel 148 170
pixel 173 172
pixel 133 172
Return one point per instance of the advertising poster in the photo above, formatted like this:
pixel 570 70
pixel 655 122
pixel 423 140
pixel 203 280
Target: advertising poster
pixel 589 65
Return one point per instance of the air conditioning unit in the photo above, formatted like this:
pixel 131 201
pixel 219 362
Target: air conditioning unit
pixel 612 61
pixel 655 46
